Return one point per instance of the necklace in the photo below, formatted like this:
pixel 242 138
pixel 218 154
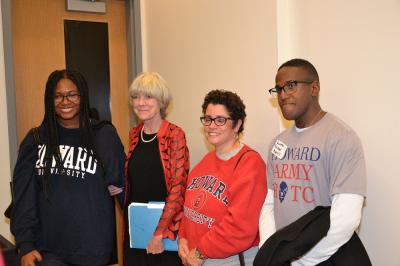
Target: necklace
pixel 315 117
pixel 146 141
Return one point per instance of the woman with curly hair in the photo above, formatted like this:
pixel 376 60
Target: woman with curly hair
pixel 225 190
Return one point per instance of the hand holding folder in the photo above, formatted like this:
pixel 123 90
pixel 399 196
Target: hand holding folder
pixel 143 220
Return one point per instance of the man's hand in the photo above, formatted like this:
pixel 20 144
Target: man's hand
pixel 30 259
pixel 155 245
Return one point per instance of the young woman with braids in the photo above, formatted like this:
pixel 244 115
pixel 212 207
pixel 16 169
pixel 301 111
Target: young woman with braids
pixel 63 212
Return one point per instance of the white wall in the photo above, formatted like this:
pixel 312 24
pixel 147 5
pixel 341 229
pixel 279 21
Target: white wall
pixel 202 45
pixel 238 44
pixel 4 144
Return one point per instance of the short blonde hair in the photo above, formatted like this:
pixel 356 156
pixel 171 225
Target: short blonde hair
pixel 152 84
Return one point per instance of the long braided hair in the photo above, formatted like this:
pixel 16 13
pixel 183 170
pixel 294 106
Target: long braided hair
pixel 50 119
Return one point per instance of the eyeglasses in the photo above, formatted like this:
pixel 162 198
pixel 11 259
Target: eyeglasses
pixel 72 97
pixel 218 121
pixel 289 87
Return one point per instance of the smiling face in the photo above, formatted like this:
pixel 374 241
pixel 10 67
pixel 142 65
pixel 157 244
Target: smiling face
pixel 223 137
pixel 67 103
pixel 146 107
pixel 300 105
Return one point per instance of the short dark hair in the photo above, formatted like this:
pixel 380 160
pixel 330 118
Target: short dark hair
pixel 232 102
pixel 306 65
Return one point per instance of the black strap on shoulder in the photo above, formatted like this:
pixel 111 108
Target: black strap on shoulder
pixel 240 158
pixel 36 135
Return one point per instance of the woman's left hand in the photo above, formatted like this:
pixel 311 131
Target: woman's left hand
pixel 191 259
pixel 155 245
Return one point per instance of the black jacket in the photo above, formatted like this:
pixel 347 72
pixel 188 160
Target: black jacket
pixel 76 220
pixel 297 238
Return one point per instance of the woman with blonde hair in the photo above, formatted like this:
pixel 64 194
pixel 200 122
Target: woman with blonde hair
pixel 157 166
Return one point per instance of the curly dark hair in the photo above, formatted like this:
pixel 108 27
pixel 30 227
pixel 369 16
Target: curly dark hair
pixel 232 102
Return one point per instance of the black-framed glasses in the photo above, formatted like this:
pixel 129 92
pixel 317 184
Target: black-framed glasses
pixel 289 87
pixel 218 120
pixel 72 97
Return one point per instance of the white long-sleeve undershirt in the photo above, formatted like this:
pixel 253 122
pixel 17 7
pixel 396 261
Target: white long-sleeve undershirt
pixel 267 220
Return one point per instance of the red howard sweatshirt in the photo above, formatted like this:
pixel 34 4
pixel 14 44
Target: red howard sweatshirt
pixel 223 201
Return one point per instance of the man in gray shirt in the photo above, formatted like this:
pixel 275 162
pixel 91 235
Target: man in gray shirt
pixel 317 161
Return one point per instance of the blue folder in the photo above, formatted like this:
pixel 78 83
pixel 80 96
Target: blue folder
pixel 143 220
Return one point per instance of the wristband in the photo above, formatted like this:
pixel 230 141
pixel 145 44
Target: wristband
pixel 198 254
